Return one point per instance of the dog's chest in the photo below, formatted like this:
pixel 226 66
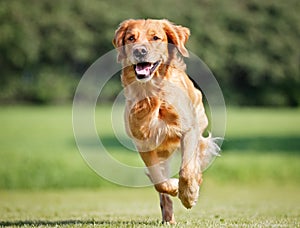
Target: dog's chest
pixel 154 122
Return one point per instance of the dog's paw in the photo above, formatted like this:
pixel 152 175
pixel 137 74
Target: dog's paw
pixel 174 183
pixel 188 191
pixel 172 222
pixel 169 187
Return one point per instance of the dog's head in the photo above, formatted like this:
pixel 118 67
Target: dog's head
pixel 145 44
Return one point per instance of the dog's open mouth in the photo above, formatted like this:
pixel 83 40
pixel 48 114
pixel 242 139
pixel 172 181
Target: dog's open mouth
pixel 145 70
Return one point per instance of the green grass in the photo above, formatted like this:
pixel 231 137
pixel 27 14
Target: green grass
pixel 45 182
pixel 226 206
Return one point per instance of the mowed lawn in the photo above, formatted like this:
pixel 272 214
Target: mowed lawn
pixel 44 181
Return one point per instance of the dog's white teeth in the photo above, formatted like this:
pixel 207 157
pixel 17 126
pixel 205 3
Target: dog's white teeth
pixel 143 68
pixel 143 71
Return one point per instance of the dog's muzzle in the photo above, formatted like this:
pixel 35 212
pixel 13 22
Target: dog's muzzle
pixel 144 70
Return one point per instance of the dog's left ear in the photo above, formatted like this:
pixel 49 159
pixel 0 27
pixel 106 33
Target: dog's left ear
pixel 118 40
pixel 178 36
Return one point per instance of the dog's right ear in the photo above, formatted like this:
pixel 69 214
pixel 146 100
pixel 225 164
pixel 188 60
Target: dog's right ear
pixel 119 41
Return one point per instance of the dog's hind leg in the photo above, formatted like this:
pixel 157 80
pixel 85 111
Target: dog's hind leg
pixel 166 206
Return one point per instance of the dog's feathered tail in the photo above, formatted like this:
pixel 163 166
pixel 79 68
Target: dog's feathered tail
pixel 209 150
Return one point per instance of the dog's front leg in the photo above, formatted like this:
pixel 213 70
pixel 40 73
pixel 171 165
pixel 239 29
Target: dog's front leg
pixel 190 176
pixel 159 176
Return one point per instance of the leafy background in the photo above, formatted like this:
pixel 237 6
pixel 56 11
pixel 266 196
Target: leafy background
pixel 252 47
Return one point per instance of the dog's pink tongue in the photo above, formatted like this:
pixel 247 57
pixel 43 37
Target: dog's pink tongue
pixel 143 68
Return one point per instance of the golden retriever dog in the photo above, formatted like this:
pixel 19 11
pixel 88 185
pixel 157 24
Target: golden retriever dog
pixel 164 111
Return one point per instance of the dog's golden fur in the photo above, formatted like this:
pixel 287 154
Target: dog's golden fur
pixel 164 111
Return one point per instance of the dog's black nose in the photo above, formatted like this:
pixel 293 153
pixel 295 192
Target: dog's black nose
pixel 140 52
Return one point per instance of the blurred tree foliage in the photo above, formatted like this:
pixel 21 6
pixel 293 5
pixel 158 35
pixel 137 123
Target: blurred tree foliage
pixel 251 46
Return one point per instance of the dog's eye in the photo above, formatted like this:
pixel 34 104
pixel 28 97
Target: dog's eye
pixel 156 38
pixel 131 38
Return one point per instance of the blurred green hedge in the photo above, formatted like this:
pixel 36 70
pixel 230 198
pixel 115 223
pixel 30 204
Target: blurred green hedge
pixel 252 46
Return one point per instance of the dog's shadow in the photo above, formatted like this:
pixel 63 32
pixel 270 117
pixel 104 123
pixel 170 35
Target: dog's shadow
pixel 75 222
